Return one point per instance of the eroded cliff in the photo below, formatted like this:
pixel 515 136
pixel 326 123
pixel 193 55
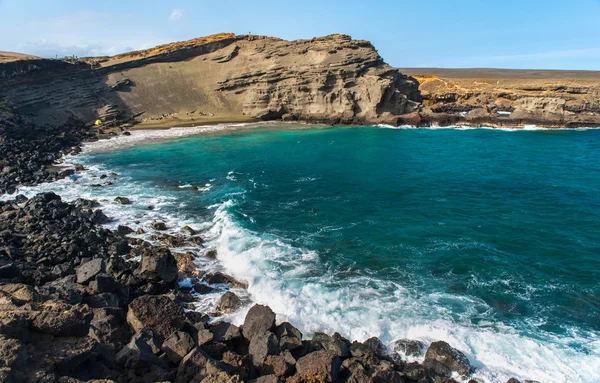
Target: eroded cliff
pixel 509 97
pixel 329 79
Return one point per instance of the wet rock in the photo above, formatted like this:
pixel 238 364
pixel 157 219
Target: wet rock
pixel 157 264
pixel 156 312
pixel 20 199
pixel 258 320
pixel 159 226
pixel 409 347
pixel 377 346
pixel 124 230
pixel 185 262
pixel 322 366
pixel 189 230
pixel 220 278
pixel 84 203
pixel 177 346
pixel 197 240
pixel 99 217
pixel 123 200
pixel 79 168
pixel 229 302
pixel 362 350
pixel 169 240
pixel 89 270
pixel 201 288
pixel 445 359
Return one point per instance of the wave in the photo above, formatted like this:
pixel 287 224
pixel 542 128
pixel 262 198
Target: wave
pixel 292 281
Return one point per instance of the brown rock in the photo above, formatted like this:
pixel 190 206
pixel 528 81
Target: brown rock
pixel 320 366
pixel 221 377
pixel 13 353
pixel 192 367
pixel 229 302
pixel 445 359
pixel 157 264
pixel 262 345
pixel 177 346
pixel 278 365
pixel 156 312
pixel 89 270
pixel 258 320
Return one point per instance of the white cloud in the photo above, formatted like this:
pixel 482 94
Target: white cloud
pixel 176 14
pixel 82 33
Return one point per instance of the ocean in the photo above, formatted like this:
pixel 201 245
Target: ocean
pixel 488 239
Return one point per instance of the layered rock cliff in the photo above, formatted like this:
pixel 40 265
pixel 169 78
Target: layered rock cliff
pixel 509 97
pixel 331 79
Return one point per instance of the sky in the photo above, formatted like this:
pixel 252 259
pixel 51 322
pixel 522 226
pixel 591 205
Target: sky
pixel 526 34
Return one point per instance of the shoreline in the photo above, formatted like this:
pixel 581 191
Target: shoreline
pixel 404 354
pixel 404 366
pixel 154 135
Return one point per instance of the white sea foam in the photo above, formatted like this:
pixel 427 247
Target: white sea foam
pixel 292 282
pixel 300 288
pixel 504 129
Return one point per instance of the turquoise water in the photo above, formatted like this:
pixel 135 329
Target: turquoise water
pixel 488 239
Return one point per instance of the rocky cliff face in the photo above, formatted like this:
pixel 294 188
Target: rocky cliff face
pixel 332 79
pixel 509 97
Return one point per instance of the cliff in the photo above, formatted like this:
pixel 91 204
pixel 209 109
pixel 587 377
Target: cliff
pixel 509 97
pixel 330 79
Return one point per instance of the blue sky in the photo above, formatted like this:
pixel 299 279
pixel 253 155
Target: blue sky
pixel 535 34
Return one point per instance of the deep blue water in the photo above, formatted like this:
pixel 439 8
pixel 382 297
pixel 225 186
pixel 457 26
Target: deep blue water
pixel 486 238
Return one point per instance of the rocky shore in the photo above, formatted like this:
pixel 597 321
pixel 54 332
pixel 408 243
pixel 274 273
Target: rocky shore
pixel 79 302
